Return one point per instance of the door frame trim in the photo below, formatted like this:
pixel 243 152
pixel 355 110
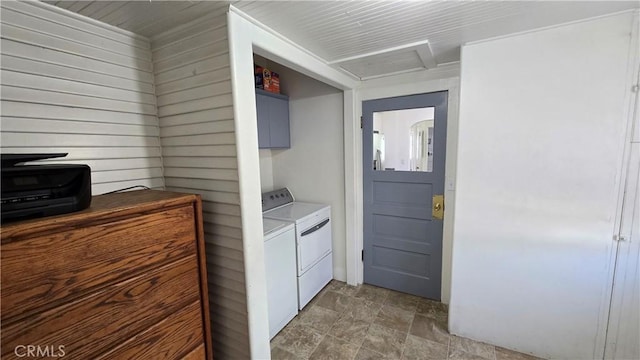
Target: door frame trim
pixel 384 88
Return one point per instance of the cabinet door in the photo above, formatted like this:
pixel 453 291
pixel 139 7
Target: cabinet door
pixel 262 106
pixel 279 123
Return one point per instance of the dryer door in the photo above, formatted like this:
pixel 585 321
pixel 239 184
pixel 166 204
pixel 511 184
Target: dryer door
pixel 314 242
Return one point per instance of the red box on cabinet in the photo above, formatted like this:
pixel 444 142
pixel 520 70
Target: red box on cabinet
pixel 267 80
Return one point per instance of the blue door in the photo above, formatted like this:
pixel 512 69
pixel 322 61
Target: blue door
pixel 404 142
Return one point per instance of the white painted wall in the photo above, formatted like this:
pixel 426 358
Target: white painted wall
pixel 543 117
pixel 438 79
pixel 266 170
pixel 73 84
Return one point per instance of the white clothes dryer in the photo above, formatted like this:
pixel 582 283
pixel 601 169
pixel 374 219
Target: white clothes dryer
pixel 313 239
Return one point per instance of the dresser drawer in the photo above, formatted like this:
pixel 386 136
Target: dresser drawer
pixel 100 322
pixel 170 339
pixel 46 271
pixel 197 354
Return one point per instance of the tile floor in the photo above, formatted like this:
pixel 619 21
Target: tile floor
pixel 368 322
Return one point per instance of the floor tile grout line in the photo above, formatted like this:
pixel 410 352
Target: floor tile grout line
pixel 404 346
pixel 324 335
pixel 360 347
pixel 316 347
pixel 365 332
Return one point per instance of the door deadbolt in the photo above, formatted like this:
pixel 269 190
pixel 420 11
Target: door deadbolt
pixel 437 212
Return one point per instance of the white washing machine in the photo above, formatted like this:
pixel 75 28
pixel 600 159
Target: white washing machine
pixel 313 239
pixel 280 270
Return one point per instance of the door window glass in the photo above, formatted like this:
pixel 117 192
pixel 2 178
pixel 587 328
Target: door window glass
pixel 403 140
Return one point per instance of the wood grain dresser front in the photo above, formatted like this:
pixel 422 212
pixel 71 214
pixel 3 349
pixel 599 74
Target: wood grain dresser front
pixel 124 279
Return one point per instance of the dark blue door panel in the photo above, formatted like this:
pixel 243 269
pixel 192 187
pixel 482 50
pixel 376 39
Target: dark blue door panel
pixel 402 240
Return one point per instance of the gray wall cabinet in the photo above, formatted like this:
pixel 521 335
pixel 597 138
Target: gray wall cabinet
pixel 273 120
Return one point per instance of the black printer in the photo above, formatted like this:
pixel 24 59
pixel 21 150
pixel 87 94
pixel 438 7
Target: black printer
pixel 30 191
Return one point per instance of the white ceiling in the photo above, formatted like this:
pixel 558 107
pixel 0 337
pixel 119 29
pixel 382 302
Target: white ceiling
pixel 365 38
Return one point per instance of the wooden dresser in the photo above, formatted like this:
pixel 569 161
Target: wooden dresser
pixel 124 279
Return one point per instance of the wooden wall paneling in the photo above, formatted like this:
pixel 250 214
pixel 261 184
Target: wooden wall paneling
pixel 209 127
pixel 196 105
pixel 127 174
pixel 71 84
pixel 34 38
pixel 197 173
pixel 194 93
pixel 202 184
pixel 204 150
pixel 195 110
pixel 189 43
pixel 77 35
pixel 115 153
pixel 193 81
pixel 152 183
pixel 89 76
pixel 74 100
pixel 48 83
pixel 221 113
pixel 76 61
pixel 223 162
pixel 25 139
pixel 48 111
pixel 44 11
pixel 52 126
pixel 187 70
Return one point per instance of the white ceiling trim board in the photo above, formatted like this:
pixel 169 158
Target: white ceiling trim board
pixel 379 52
pixel 350 73
pixel 443 71
pixel 395 73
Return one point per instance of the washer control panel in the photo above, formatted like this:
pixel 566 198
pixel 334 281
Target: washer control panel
pixel 276 198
